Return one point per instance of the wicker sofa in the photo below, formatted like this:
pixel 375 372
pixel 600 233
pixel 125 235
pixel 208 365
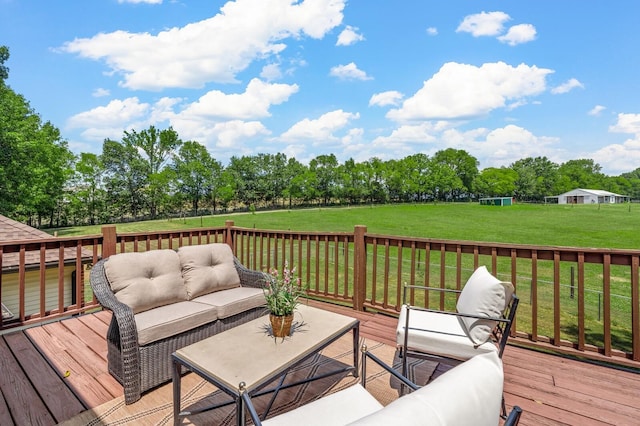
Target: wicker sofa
pixel 163 300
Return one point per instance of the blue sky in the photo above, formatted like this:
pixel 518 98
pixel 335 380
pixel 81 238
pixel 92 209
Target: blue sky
pixel 502 80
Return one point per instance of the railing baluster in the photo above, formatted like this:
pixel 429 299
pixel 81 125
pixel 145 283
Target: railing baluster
pixel 606 301
pixel 556 298
pixel 635 308
pixel 581 306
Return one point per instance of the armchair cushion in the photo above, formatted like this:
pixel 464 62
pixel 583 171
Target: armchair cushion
pixel 208 268
pixel 438 334
pixel 336 409
pixel 469 394
pixel 483 295
pixel 146 280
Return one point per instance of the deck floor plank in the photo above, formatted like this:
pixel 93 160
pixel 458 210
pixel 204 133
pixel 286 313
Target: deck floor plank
pixel 5 414
pixel 50 387
pixel 88 336
pixel 80 372
pixel 21 398
pixel 96 322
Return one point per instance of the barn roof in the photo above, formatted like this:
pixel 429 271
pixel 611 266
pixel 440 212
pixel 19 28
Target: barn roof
pixel 597 192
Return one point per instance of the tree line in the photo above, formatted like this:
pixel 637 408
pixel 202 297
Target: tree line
pixel 152 173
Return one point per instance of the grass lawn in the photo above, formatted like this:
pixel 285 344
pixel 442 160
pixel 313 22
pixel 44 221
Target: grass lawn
pixel 599 226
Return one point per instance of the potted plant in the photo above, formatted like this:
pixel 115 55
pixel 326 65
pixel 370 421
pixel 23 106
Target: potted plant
pixel 282 291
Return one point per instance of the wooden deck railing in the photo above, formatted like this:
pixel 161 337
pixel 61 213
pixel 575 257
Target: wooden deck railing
pixel 581 301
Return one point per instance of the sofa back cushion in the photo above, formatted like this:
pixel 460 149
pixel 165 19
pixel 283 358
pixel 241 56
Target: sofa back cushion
pixel 468 394
pixel 146 280
pixel 207 268
pixel 483 295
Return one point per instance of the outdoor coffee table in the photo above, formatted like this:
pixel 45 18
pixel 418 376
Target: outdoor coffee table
pixel 241 361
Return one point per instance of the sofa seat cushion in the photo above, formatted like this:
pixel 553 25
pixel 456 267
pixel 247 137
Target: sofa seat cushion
pixel 336 409
pixel 234 300
pixel 170 320
pixel 439 334
pixel 146 280
pixel 469 394
pixel 207 268
pixel 483 295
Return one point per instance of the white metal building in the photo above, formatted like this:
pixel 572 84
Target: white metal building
pixel 587 196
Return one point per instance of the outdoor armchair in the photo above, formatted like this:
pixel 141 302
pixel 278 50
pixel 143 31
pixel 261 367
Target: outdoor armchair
pixel 485 310
pixel 467 394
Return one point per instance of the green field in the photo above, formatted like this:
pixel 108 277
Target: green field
pixel 605 226
pixel 599 226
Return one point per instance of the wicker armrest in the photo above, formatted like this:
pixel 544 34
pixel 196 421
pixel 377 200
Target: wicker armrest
pixel 126 335
pixel 250 277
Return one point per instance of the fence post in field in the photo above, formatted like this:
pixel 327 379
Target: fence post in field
pixel 109 240
pixel 359 267
pixel 228 235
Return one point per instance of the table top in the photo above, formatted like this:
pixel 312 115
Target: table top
pixel 248 353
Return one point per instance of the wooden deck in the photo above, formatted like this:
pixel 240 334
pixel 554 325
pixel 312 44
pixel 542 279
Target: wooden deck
pixel 52 372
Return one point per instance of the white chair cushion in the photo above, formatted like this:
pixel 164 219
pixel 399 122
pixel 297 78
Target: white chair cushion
pixel 438 334
pixel 336 409
pixel 483 295
pixel 207 268
pixel 146 280
pixel 469 394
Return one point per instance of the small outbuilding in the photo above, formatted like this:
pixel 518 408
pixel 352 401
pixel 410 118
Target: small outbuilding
pixel 587 196
pixel 17 285
pixel 496 201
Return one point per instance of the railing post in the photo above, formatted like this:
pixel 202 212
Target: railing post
pixel 360 267
pixel 228 235
pixel 109 240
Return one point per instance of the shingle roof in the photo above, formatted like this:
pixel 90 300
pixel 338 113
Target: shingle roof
pixel 11 230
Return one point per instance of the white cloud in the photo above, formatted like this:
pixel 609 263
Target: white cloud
pixel 627 123
pixel 100 92
pixel 117 113
pixel 216 119
pixel 349 36
pixel 353 136
pixel 271 72
pixel 624 157
pixel 253 103
pixel 502 146
pixel 484 24
pixel 390 97
pixel 567 86
pixel 219 47
pixel 349 72
pixel 321 129
pixel 459 91
pixel 407 134
pixel 432 31
pixel 518 34
pixel 619 158
pixel 596 110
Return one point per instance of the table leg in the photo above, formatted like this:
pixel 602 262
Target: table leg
pixel 356 349
pixel 177 370
pixel 240 406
